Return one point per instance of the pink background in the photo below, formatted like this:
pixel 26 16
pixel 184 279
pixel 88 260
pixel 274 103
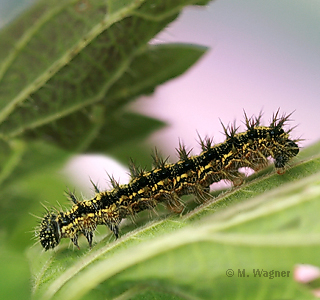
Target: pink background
pixel 263 55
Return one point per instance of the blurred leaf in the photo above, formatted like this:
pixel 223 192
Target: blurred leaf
pixel 14 275
pixel 29 178
pixel 126 127
pixel 11 156
pixel 36 180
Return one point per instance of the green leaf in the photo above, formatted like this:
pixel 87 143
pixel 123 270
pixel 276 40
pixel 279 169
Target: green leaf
pixel 32 176
pixel 270 223
pixel 11 156
pixel 74 52
pixel 14 268
pixel 103 126
pixel 97 133
pixel 155 65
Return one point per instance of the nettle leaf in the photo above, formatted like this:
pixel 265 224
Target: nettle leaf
pixel 270 223
pixel 61 59
pixel 98 128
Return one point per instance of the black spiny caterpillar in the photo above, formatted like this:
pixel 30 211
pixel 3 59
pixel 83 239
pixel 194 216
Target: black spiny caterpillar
pixel 168 182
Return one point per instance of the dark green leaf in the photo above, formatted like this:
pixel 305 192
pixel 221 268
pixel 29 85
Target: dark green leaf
pixel 71 55
pixel 101 127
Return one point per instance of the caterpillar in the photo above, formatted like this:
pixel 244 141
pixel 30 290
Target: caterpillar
pixel 167 182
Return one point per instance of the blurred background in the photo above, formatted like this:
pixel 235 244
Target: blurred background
pixel 263 55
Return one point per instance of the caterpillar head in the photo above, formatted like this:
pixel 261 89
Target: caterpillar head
pixel 291 150
pixel 49 231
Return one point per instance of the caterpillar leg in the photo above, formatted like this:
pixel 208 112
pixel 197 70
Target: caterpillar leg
pixel 115 229
pixel 202 193
pixel 173 202
pixel 89 237
pixel 74 240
